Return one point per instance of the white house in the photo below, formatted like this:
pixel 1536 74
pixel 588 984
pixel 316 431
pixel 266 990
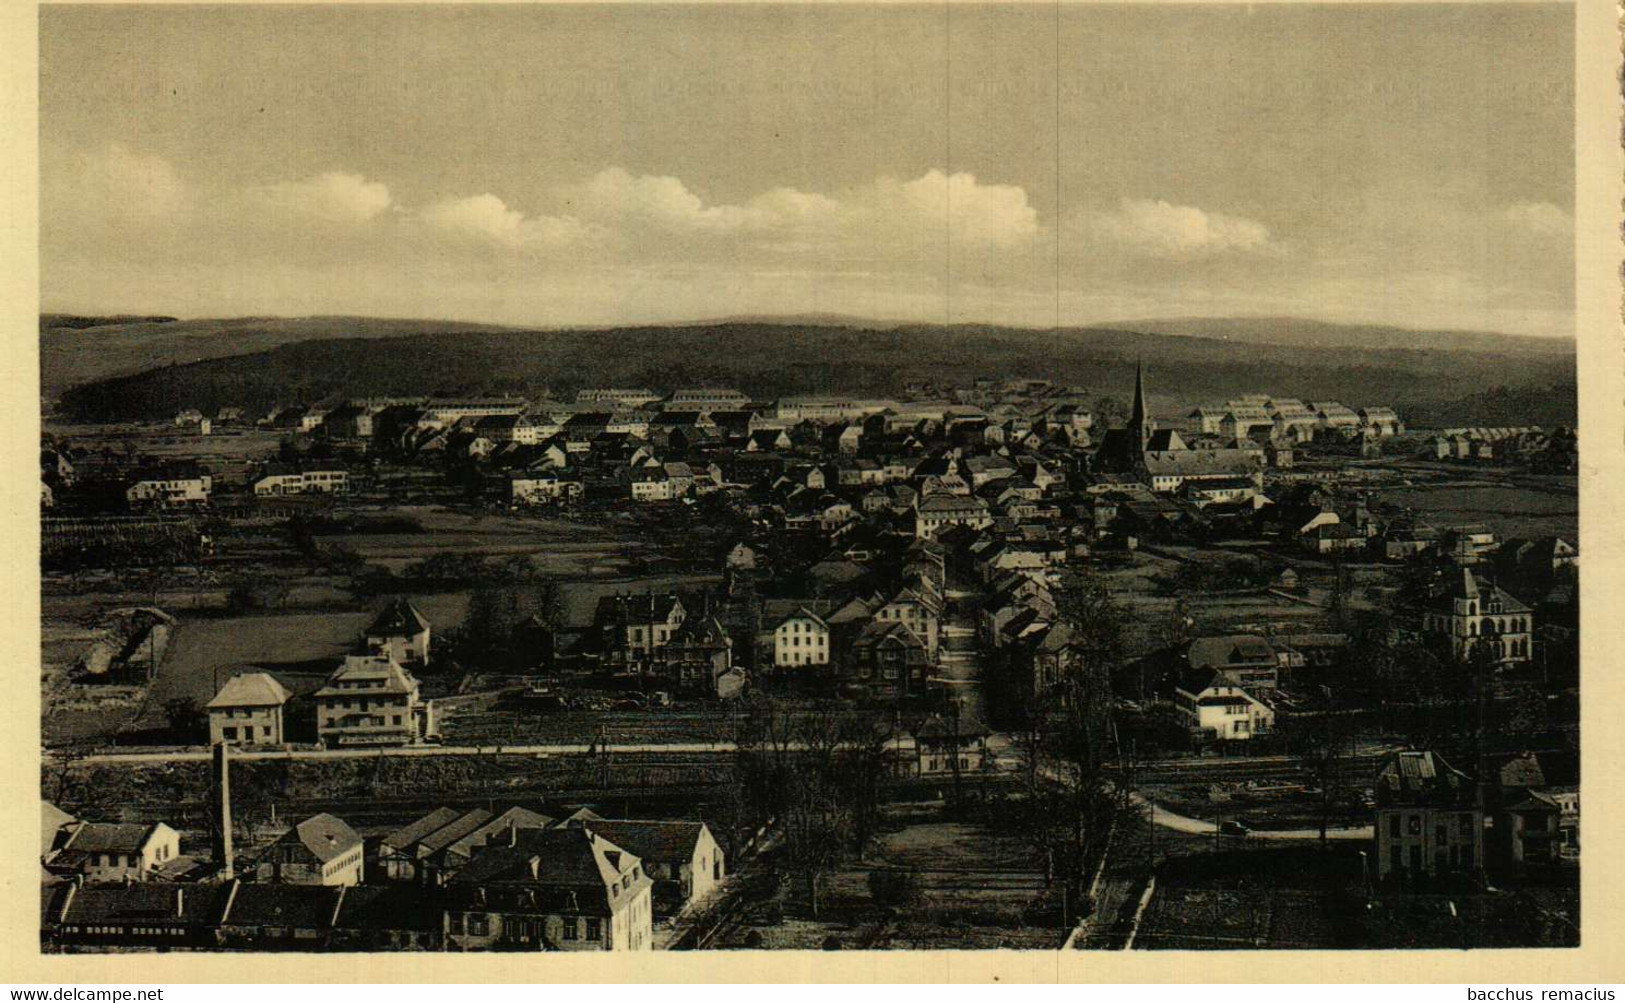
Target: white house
pixel 1221 710
pixel 801 639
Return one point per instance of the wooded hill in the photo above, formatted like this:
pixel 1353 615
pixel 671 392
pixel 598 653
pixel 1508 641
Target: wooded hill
pixel 769 360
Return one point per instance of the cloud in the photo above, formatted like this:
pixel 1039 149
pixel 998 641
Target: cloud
pixel 932 205
pixel 1155 228
pixel 333 197
pixel 487 217
pixel 1539 218
pixel 114 185
pixel 973 213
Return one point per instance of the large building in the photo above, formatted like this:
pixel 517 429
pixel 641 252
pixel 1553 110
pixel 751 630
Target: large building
pixel 1428 818
pixel 372 700
pixel 1162 460
pixel 248 711
pixel 321 850
pixel 565 889
pixel 1470 614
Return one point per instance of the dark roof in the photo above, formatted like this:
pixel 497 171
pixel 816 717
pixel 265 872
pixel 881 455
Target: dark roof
pixel 388 907
pixel 1422 778
pixel 110 837
pixel 1235 649
pixel 405 836
pixel 650 840
pixel 399 619
pixel 142 903
pixel 449 834
pixel 309 907
pixel 940 726
pixel 638 607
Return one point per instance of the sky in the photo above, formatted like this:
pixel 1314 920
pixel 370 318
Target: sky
pixel 597 165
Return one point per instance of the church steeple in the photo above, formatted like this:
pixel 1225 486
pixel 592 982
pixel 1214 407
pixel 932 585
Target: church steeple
pixel 1138 420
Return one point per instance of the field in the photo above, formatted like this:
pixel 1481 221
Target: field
pixel 1508 510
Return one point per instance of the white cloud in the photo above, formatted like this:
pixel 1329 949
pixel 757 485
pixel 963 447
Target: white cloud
pixel 487 217
pixel 333 197
pixel 1156 228
pixel 1539 218
pixel 973 213
pixel 114 185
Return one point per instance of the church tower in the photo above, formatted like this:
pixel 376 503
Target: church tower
pixel 1138 422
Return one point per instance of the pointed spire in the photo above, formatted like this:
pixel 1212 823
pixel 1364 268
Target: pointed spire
pixel 1137 416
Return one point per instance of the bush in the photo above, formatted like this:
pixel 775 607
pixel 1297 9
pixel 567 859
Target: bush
pixel 895 889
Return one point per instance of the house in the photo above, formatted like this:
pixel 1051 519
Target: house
pixel 563 889
pixel 1381 420
pixel 943 745
pixel 175 486
pixel 801 639
pixel 400 632
pixel 650 484
pixel 248 711
pixel 919 609
pixel 620 397
pixel 1533 822
pixel 698 658
pixel 682 858
pixel 372 700
pixel 1216 709
pixel 1469 614
pixel 1241 659
pixel 632 627
pixel 1428 820
pixel 114 851
pixel 543 487
pixel 938 512
pixel 886 660
pixel 280 479
pixel 321 850
pixel 1336 417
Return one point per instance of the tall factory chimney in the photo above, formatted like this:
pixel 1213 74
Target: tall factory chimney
pixel 220 817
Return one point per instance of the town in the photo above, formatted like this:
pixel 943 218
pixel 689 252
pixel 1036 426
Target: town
pixel 1004 663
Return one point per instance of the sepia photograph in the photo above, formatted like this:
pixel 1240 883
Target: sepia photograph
pixel 808 477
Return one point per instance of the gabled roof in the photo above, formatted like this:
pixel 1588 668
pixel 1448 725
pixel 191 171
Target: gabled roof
pixel 407 835
pixel 252 689
pixel 305 907
pixel 110 837
pixel 665 842
pixel 324 835
pixel 385 674
pixel 52 819
pixel 399 619
pixel 1422 778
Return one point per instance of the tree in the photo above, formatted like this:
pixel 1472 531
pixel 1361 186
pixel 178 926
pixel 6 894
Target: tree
pixel 899 889
pixel 185 717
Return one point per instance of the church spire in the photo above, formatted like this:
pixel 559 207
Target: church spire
pixel 1137 417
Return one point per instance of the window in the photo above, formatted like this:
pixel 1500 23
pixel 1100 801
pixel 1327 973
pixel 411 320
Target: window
pixel 1413 825
pixel 1393 825
pixel 593 931
pixel 570 928
pixel 479 926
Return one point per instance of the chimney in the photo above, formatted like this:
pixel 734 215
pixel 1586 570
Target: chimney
pixel 221 822
pixel 513 835
pixel 535 868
